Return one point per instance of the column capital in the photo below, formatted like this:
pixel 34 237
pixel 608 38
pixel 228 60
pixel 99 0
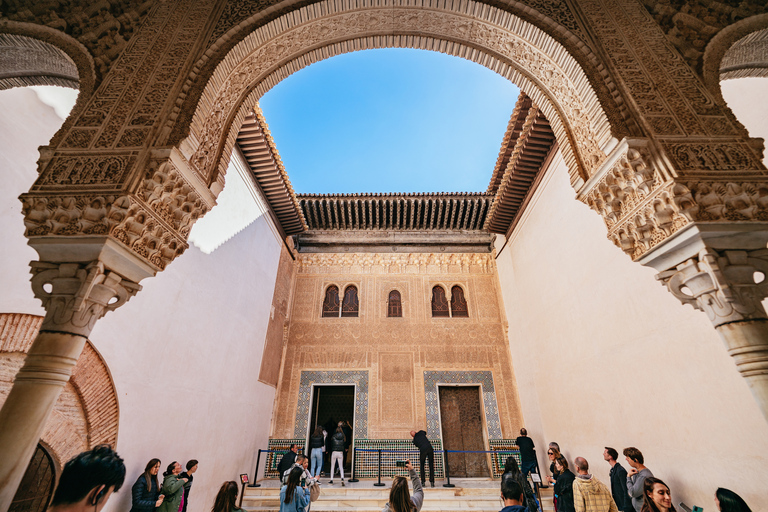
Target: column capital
pixel 75 295
pixel 723 284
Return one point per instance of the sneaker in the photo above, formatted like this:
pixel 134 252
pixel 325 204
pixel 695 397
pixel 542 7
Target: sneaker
pixel 432 484
pixel 330 482
pixel 342 483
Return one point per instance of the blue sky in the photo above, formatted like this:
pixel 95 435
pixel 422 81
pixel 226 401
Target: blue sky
pixel 393 120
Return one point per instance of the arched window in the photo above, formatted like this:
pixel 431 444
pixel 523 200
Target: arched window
pixel 439 302
pixel 351 304
pixel 36 487
pixel 458 303
pixel 331 302
pixel 394 307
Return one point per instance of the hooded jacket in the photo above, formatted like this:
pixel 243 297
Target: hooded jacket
pixel 592 495
pixel 173 489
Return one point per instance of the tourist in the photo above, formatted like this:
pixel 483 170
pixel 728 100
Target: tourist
pixel 511 470
pixel 553 453
pixel 728 501
pixel 425 452
pixel 618 477
pixel 226 498
pixel 527 453
pixel 400 500
pixel 173 489
pixel 636 476
pixel 512 495
pixel 347 441
pixel 564 485
pixel 656 496
pixel 589 493
pixel 191 468
pixel 293 496
pixel 88 480
pixel 337 453
pixel 301 462
pixel 288 459
pixel 145 494
pixel 316 443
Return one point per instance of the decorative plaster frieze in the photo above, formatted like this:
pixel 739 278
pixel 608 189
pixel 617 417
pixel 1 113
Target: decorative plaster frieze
pixel 373 263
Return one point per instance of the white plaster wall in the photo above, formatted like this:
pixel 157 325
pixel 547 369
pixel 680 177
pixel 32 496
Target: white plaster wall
pixel 746 97
pixel 605 356
pixel 185 352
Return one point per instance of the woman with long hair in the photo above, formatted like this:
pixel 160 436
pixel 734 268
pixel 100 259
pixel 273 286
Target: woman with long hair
pixel 145 493
pixel 656 496
pixel 553 453
pixel 512 470
pixel 226 498
pixel 564 486
pixel 316 443
pixel 400 500
pixel 728 501
pixel 337 453
pixel 294 497
pixel 173 489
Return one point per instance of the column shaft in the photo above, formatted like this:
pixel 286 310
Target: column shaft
pixel 747 343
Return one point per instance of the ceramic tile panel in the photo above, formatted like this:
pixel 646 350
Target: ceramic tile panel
pixel 358 378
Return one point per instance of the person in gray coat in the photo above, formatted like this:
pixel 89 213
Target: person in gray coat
pixel 636 476
pixel 400 500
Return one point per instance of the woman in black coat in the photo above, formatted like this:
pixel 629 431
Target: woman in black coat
pixel 512 470
pixel 564 486
pixel 146 491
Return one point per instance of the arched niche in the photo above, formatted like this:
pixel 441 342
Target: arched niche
pixel 493 38
pixel 86 413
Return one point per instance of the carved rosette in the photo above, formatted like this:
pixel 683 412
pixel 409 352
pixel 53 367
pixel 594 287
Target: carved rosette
pixel 643 203
pixel 154 222
pixel 75 295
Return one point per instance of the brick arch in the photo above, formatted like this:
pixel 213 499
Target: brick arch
pixel 72 50
pixel 496 39
pixel 86 413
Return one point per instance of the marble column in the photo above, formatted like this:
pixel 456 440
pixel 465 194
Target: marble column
pixel 74 295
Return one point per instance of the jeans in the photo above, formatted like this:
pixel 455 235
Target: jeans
pixel 317 462
pixel 337 457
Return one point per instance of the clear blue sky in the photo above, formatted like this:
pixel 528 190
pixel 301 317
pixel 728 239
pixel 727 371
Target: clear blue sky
pixel 392 120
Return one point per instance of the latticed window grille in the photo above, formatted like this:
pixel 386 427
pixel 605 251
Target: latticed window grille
pixel 351 304
pixel 439 302
pixel 458 303
pixel 331 302
pixel 394 306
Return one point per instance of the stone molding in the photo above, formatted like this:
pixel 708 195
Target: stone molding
pixel 498 40
pixel 75 296
pixel 25 61
pixel 722 284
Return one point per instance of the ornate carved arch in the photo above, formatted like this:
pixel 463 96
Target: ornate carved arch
pixel 90 388
pixel 73 49
pixel 498 40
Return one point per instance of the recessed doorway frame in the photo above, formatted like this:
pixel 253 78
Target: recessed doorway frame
pixel 312 406
pixel 484 427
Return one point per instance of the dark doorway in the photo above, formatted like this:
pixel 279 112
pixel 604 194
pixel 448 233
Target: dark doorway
pixel 37 484
pixel 461 419
pixel 330 405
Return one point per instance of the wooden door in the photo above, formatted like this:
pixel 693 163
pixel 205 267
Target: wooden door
pixel 461 420
pixel 36 487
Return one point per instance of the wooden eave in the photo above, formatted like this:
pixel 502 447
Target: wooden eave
pixel 463 211
pixel 260 152
pixel 529 143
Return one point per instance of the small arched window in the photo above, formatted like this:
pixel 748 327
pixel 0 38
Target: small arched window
pixel 331 302
pixel 351 304
pixel 439 302
pixel 458 303
pixel 394 306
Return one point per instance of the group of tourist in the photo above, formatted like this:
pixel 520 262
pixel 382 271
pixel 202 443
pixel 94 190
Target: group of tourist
pixel 633 490
pixel 172 496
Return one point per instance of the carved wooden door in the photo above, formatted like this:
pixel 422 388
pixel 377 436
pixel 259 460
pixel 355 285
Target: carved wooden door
pixel 462 424
pixel 36 486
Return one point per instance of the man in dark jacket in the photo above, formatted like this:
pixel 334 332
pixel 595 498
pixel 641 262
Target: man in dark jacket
pixel 618 481
pixel 527 453
pixel 188 474
pixel 512 494
pixel 425 452
pixel 288 459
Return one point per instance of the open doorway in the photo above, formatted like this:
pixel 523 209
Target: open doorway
pixel 461 422
pixel 330 405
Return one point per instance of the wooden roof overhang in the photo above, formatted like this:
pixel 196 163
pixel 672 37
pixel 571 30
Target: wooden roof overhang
pixel 528 144
pixel 260 152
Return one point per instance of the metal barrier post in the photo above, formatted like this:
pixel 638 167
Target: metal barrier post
pixel 447 473
pixel 379 484
pixel 255 472
pixel 354 459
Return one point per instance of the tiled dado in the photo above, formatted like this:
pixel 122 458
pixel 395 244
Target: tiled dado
pixel 482 378
pixel 358 378
pixel 367 463
pixel 281 447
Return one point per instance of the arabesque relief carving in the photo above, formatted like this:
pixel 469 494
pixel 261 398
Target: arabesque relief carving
pixel 414 263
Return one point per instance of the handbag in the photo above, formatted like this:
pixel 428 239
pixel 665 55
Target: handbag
pixel 314 492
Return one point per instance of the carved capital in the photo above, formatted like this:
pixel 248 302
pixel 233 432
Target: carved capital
pixel 727 285
pixel 76 295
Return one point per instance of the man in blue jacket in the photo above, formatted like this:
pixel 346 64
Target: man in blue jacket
pixel 512 494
